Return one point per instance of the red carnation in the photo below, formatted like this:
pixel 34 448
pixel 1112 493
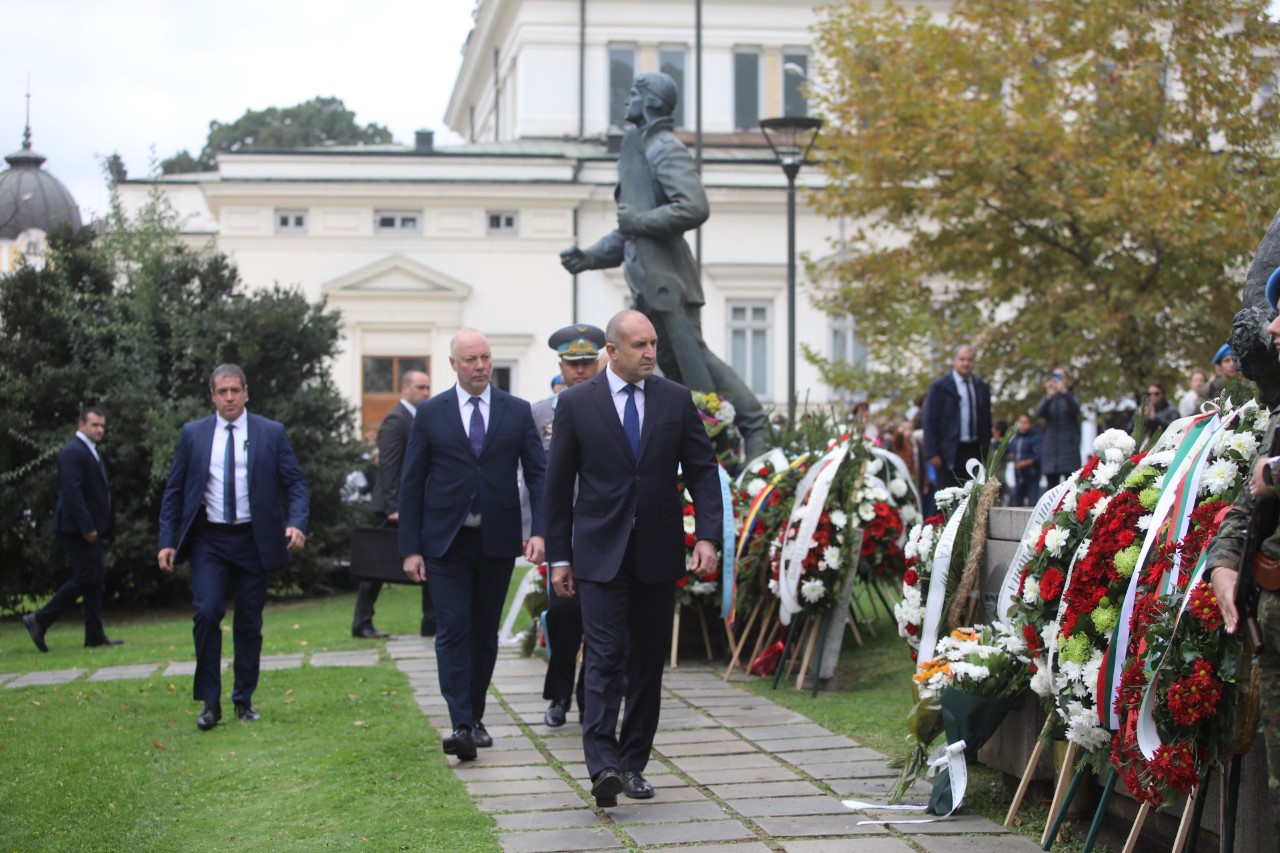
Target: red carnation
pixel 1051 584
pixel 689 540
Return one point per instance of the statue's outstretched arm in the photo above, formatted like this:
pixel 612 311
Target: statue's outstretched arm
pixel 605 253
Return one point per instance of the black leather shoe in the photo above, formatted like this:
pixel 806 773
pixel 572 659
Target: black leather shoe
pixel 481 735
pixel 554 717
pixel 209 716
pixel 635 786
pixel 245 713
pixel 461 744
pixel 428 627
pixel 606 787
pixel 105 641
pixel 369 632
pixel 36 630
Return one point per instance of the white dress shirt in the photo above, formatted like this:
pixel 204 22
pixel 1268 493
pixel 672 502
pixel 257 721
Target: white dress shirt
pixel 464 410
pixel 413 410
pixel 617 386
pixel 964 405
pixel 213 508
pixel 93 448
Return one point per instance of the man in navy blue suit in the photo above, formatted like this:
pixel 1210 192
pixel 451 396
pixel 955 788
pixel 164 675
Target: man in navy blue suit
pixel 460 471
pixel 619 544
pixel 221 509
pixel 82 519
pixel 957 418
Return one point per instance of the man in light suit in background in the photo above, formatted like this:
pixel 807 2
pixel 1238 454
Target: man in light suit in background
pixel 619 544
pixel 221 509
pixel 82 519
pixel 393 438
pixel 460 527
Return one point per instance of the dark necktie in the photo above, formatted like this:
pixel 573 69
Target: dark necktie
pixel 103 469
pixel 476 432
pixel 631 420
pixel 229 478
pixel 973 410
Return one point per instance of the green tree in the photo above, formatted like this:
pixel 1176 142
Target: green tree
pixel 319 121
pixel 134 321
pixel 1078 183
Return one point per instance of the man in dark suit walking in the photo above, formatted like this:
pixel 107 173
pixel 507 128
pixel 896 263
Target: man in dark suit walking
pixel 957 418
pixel 620 543
pixel 82 520
pixel 393 438
pixel 460 471
pixel 221 509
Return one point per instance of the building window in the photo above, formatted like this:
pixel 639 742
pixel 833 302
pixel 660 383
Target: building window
pixel 746 89
pixel 749 331
pixel 380 386
pixel 795 73
pixel 504 223
pixel 845 348
pixel 671 63
pixel 504 375
pixel 291 222
pixel 397 222
pixel 622 72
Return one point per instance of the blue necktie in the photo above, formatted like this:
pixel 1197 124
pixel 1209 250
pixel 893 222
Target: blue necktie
pixel 631 420
pixel 229 478
pixel 476 432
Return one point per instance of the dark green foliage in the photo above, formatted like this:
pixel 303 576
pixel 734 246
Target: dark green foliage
pixel 319 121
pixel 134 321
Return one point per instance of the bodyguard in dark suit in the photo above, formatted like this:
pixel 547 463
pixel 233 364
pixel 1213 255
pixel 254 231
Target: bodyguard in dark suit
pixel 460 527
pixel 393 438
pixel 221 510
pixel 620 543
pixel 957 418
pixel 82 520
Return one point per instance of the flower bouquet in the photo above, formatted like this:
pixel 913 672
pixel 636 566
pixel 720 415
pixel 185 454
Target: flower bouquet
pixel 718 415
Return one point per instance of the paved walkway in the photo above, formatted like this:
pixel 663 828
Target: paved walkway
pixel 734 772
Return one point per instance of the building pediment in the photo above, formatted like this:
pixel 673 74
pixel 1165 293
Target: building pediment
pixel 399 277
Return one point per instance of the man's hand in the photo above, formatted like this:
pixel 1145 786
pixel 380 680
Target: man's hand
pixel 297 539
pixel 395 516
pixel 535 550
pixel 574 260
pixel 562 581
pixel 1258 486
pixel 1224 587
pixel 165 559
pixel 415 568
pixel 628 220
pixel 705 562
pixel 936 462
pixel 91 536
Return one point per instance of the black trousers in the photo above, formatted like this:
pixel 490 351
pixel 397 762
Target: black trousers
pixel 88 574
pixel 952 475
pixel 627 624
pixel 564 637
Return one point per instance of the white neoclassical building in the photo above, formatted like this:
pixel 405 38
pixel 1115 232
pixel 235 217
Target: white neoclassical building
pixel 413 242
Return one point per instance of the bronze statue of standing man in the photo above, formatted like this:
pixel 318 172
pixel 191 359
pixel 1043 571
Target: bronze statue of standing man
pixel 660 196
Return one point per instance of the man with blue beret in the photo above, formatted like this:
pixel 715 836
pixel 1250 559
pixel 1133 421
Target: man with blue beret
pixel 1225 370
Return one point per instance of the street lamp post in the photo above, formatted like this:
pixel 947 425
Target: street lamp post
pixel 791 139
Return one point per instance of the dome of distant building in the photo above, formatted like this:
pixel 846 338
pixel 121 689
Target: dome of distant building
pixel 31 198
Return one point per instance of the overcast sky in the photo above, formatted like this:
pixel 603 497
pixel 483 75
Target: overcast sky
pixel 136 75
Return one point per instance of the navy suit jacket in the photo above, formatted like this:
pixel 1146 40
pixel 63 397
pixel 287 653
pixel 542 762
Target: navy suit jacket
pixel 619 494
pixel 84 502
pixel 273 469
pixel 942 418
pixel 443 477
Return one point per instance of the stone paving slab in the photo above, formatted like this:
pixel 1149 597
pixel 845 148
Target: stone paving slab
pixel 667 738
pixel 749 790
pixel 628 811
pixel 781 732
pixel 963 824
pixel 708 748
pixel 682 833
pixel 695 694
pixel 777 716
pixel 278 662
pixel 724 762
pixel 827 742
pixel 999 844
pixel 849 770
pixel 831 756
pixel 46 678
pixel 517 757
pixel 787 806
pixel 473 772
pixel 567 818
pixel 521 786
pixel 879 786
pixel 188 667
pixel 859 845
pixel 7 676
pixel 819 825
pixel 359 657
pixel 720 776
pixel 123 672
pixel 553 841
pixel 530 802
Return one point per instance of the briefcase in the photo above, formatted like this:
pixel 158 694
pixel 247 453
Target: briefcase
pixel 375 555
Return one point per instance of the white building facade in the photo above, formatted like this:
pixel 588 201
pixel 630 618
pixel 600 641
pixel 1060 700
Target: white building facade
pixel 413 242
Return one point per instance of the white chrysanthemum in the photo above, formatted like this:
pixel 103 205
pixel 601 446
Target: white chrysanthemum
pixel 1069 501
pixel 1245 444
pixel 909 514
pixel 690 524
pixel 898 487
pixel 911 596
pixel 773 585
pixel 1089 675
pixel 831 558
pixel 1116 438
pixel 812 590
pixel 1071 671
pixel 727 412
pixel 1031 591
pixel 1055 540
pixel 1158 459
pixel 875 465
pixel 1144 522
pixel 1083 729
pixel 688 498
pixel 1260 420
pixel 1041 683
pixel 879 493
pixel 946 497
pixel 867 512
pixel 970 672
pixel 702 587
pixel 838 519
pixel 1105 472
pixel 934 684
pixel 1049 636
pixel 1219 477
pixel 756 486
pixel 1100 507
pixel 1012 641
pixel 1113 454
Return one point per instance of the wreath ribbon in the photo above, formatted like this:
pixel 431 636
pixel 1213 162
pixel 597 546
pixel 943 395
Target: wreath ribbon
pixel 812 495
pixel 942 563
